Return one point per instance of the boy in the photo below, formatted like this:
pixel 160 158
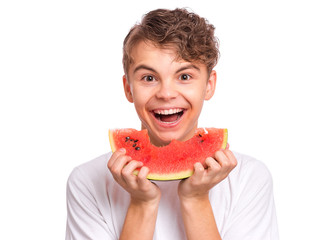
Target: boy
pixel 168 63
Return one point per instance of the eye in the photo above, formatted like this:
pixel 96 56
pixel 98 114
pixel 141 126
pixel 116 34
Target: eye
pixel 149 78
pixel 185 77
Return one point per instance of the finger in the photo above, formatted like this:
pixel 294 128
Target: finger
pixel 131 167
pixel 220 157
pixel 120 163
pixel 143 173
pixel 114 156
pixel 142 176
pixel 198 170
pixel 127 173
pixel 117 167
pixel 212 164
pixel 227 146
pixel 231 157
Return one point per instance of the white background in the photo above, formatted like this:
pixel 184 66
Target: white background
pixel 61 90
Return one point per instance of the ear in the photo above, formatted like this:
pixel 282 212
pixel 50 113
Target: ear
pixel 127 89
pixel 211 85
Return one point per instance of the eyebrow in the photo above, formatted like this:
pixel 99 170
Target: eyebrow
pixel 189 66
pixel 142 66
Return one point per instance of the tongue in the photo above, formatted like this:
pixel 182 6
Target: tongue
pixel 169 118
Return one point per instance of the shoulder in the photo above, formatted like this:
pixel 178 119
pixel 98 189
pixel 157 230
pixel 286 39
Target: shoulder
pixel 90 172
pixel 249 168
pixel 248 200
pixel 249 177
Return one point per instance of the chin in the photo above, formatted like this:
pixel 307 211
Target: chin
pixel 163 138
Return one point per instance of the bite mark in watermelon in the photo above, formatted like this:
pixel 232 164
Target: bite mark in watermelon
pixel 171 162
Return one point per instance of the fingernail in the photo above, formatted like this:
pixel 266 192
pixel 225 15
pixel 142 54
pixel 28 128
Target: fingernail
pixel 123 150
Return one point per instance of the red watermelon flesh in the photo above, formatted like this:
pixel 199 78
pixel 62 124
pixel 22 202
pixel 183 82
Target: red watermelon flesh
pixel 171 162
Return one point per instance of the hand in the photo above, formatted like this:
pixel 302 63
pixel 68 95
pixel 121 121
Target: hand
pixel 205 177
pixel 139 187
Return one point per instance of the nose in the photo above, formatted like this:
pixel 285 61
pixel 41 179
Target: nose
pixel 167 90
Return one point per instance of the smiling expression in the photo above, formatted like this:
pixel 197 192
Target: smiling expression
pixel 167 93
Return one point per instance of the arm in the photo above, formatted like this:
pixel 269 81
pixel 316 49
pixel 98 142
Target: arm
pixel 196 210
pixel 198 219
pixel 140 221
pixel 145 196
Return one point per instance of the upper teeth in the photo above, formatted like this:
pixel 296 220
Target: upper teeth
pixel 168 111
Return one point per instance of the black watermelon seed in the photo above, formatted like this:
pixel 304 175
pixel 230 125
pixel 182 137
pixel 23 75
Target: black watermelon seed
pixel 199 135
pixel 134 145
pixel 136 140
pixel 137 148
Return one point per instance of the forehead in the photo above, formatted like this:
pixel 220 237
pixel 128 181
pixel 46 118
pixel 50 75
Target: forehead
pixel 147 53
pixel 145 49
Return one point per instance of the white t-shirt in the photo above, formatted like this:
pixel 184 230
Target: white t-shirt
pixel 242 204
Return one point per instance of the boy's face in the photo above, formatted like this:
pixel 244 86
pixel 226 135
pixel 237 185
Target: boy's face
pixel 167 93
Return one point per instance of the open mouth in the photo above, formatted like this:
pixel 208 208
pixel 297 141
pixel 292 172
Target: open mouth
pixel 168 115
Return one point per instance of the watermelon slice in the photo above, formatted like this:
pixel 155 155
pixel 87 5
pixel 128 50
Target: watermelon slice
pixel 171 162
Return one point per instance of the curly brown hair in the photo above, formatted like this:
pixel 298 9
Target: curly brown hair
pixel 191 35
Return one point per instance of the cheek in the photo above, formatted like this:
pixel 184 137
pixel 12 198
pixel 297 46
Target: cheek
pixel 141 98
pixel 139 102
pixel 195 96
